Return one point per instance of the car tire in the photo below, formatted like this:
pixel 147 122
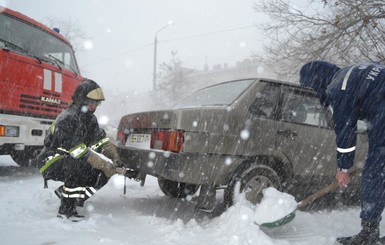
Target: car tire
pixel 252 179
pixel 176 189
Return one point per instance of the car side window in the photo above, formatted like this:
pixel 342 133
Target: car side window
pixel 266 100
pixel 303 107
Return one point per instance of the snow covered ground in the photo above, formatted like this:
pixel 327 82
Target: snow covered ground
pixel 145 216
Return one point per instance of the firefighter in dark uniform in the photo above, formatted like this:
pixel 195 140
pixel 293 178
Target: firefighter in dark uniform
pixel 355 93
pixel 77 152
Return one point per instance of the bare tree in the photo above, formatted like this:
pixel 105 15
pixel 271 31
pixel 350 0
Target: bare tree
pixel 340 31
pixel 172 84
pixel 70 29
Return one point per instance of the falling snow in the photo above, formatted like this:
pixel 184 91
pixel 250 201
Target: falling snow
pixel 145 216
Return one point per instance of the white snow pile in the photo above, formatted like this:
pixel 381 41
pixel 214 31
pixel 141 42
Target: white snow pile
pixel 142 216
pixel 274 206
pixel 236 226
pixel 146 216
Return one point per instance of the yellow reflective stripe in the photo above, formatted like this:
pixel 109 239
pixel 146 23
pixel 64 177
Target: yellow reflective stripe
pixel 63 150
pixel 52 127
pixel 99 143
pixel 51 160
pixel 78 151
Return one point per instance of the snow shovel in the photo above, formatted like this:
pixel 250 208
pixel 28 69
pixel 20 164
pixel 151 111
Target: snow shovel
pixel 286 219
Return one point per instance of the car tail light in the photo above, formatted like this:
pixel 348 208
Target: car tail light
pixel 167 140
pixel 121 137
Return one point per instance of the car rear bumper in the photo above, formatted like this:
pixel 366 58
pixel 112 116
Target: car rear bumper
pixel 181 167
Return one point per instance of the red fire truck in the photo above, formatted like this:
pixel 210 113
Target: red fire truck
pixel 38 74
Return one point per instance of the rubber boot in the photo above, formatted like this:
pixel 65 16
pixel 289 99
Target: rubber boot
pixel 90 191
pixel 79 202
pixel 67 210
pixel 369 234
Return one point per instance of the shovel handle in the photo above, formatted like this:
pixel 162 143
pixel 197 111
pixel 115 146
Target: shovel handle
pixel 323 191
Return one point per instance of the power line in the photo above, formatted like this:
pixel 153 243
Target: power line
pixel 171 40
pixel 119 55
pixel 207 34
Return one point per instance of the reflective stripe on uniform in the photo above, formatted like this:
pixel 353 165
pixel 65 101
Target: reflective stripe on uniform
pixel 346 150
pixel 346 78
pixel 99 143
pixel 74 189
pixel 90 191
pixel 76 192
pixel 51 159
pixel 52 128
pixel 81 149
pixel 74 195
pixel 78 151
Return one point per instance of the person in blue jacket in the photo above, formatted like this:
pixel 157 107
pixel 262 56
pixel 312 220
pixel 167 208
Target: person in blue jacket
pixel 355 92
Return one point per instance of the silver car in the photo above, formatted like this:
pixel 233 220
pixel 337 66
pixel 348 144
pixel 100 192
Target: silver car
pixel 255 132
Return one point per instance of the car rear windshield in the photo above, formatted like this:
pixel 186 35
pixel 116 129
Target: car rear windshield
pixel 216 95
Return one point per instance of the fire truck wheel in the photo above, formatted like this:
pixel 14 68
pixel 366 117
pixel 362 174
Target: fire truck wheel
pixel 22 158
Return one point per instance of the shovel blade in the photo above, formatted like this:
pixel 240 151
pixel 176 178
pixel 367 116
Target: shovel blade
pixel 282 221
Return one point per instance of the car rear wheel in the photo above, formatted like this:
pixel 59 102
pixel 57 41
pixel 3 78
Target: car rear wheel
pixel 252 179
pixel 176 189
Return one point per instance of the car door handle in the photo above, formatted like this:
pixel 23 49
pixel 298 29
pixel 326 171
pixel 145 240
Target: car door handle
pixel 288 133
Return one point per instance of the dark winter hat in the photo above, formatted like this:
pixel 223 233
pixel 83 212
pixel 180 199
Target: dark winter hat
pixel 88 90
pixel 317 75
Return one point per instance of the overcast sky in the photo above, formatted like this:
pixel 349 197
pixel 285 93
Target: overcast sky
pixel 122 33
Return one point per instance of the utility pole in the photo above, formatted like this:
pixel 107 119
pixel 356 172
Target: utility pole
pixel 155 53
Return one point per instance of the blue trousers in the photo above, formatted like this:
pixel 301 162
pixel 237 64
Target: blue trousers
pixel 373 175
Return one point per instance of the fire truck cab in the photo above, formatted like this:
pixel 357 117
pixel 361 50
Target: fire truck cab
pixel 38 74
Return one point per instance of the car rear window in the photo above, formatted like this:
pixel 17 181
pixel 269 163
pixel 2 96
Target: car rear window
pixel 216 95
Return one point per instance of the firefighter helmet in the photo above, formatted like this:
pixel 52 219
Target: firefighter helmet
pixel 86 92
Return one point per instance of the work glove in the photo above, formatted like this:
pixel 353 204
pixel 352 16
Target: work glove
pixel 111 151
pixel 100 162
pixel 104 164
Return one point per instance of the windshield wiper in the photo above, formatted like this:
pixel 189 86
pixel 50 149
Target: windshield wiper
pixel 49 58
pixel 57 61
pixel 14 47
